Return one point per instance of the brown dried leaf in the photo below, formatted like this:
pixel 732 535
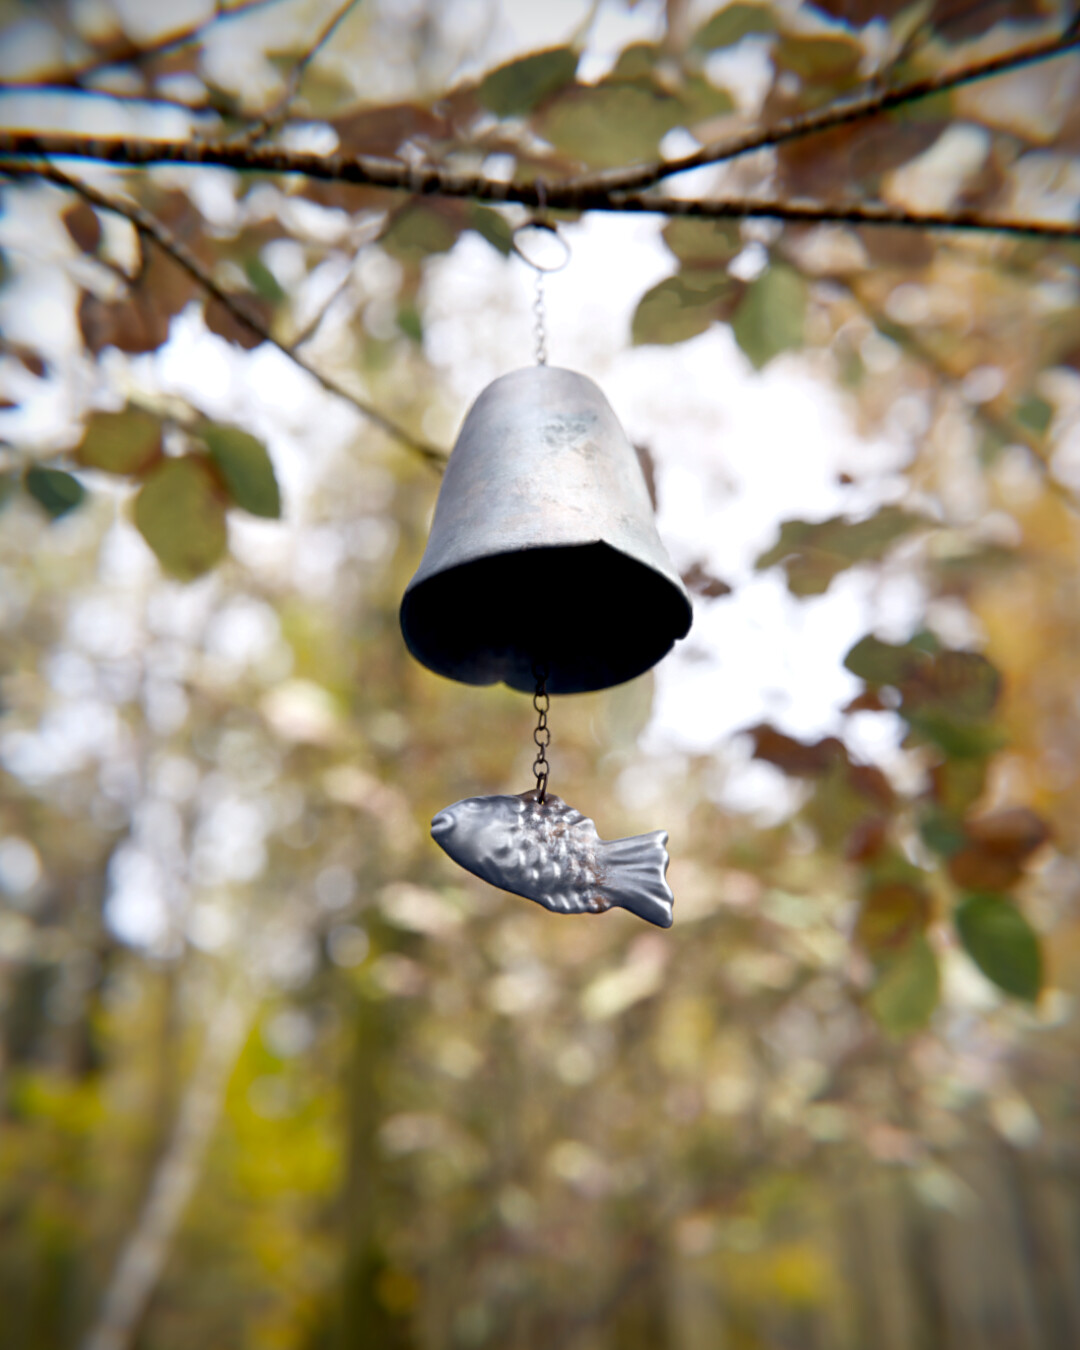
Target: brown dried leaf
pixel 648 469
pixel 891 915
pixel 384 130
pixel 135 324
pixel 30 360
pixel 82 223
pixel 700 580
pixel 866 839
pixel 797 758
pixel 850 160
pixel 893 246
pixel 870 784
pixel 999 844
pixel 868 701
pixel 348 197
pixel 224 323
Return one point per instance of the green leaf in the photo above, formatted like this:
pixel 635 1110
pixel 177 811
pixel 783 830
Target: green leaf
pixel 879 662
pixel 701 100
pixel 181 514
pixel 907 989
pixel 58 492
pixel 638 60
pixel 1002 943
pixel 820 59
pixel 813 554
pixel 245 467
pixel 410 323
pixel 683 306
pixel 519 86
pixel 419 230
pixel 621 122
pixel 957 738
pixel 263 282
pixel 732 24
pixel 772 316
pixel 703 243
pixel 127 442
pixel 824 65
pixel 941 833
pixel 1035 414
pixel 608 125
pixel 493 226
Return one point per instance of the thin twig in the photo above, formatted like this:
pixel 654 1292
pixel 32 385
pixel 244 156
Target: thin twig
pixel 315 322
pixel 133 55
pixel 152 229
pixel 274 116
pixel 432 180
pixel 850 108
pixel 995 415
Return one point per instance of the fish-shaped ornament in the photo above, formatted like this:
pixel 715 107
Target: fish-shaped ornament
pixel 550 853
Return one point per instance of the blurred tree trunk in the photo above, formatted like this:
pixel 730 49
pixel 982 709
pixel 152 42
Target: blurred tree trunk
pixel 364 1319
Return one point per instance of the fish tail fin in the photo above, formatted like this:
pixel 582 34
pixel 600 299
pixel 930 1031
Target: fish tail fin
pixel 634 876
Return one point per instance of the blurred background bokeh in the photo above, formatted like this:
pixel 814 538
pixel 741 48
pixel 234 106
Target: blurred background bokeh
pixel 274 1074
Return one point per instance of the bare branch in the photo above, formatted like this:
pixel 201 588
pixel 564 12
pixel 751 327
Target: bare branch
pixel 131 54
pixel 431 180
pixel 152 229
pixel 851 108
pixel 853 213
pixel 277 113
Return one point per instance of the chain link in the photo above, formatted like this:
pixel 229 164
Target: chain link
pixel 539 244
pixel 540 325
pixel 541 734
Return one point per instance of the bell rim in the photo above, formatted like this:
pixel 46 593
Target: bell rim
pixel 559 682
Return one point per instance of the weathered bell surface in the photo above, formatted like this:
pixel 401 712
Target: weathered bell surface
pixel 543 551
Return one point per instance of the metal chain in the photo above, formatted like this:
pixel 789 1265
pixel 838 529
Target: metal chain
pixel 542 734
pixel 539 244
pixel 540 326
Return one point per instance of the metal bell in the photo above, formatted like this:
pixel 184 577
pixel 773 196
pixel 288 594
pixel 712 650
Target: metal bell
pixel 543 554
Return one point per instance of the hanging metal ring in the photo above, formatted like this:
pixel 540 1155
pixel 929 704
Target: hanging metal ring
pixel 530 240
pixel 540 246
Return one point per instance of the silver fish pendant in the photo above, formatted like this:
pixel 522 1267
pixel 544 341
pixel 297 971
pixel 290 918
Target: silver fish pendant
pixel 550 853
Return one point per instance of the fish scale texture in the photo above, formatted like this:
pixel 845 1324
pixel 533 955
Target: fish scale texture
pixel 551 853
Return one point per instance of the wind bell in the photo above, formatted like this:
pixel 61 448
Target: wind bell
pixel 544 570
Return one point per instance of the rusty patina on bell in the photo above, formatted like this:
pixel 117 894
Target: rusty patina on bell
pixel 543 551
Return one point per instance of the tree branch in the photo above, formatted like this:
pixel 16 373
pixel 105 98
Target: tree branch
pixel 851 108
pixel 432 180
pixel 152 229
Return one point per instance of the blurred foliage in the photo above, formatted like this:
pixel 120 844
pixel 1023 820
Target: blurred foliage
pixel 836 1105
